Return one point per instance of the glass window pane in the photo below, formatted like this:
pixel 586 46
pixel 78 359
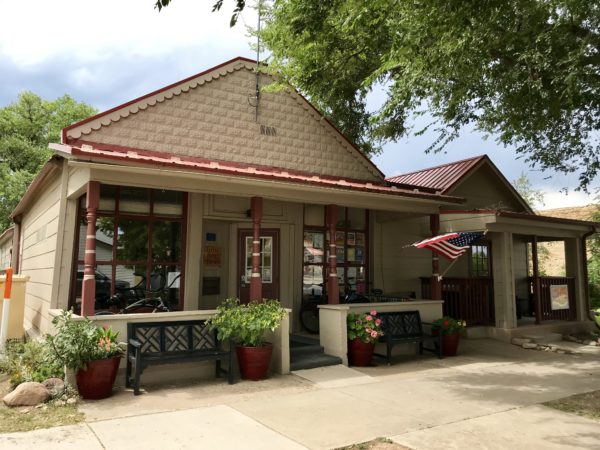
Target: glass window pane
pixel 108 194
pixel 103 275
pixel 166 241
pixel 134 200
pixel 105 229
pixel 314 215
pixel 132 240
pixel 313 246
pixel 312 282
pixel 167 283
pixel 168 203
pixel 130 283
pixel 104 240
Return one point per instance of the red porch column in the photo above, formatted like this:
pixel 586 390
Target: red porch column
pixel 88 288
pixel 537 292
pixel 256 207
pixel 333 289
pixel 435 282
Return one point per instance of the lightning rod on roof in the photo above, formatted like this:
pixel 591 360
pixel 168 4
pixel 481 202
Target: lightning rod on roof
pixel 256 97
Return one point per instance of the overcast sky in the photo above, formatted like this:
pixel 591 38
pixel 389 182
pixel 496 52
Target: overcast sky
pixel 106 53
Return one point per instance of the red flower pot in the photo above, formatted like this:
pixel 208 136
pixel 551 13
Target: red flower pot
pixel 254 362
pixel 97 380
pixel 450 344
pixel 360 353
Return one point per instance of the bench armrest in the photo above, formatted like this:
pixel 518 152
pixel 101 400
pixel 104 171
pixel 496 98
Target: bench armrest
pixel 135 343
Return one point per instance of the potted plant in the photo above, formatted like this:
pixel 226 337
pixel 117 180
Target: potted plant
pixel 364 330
pixel 246 325
pixel 91 351
pixel 450 329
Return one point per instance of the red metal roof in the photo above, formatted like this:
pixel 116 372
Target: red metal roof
pixel 440 178
pixel 123 155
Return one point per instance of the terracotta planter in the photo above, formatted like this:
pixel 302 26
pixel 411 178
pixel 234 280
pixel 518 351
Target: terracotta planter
pixel 254 362
pixel 450 344
pixel 360 353
pixel 97 380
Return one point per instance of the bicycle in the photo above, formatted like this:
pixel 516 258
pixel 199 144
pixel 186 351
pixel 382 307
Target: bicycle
pixel 152 303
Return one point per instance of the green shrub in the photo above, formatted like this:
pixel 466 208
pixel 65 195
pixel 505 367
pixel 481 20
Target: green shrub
pixel 29 361
pixel 247 324
pixel 77 342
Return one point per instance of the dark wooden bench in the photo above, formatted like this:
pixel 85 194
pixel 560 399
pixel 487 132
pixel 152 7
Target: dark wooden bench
pixel 151 343
pixel 406 327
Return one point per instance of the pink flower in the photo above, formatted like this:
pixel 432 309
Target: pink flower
pixel 369 318
pixel 373 313
pixel 374 333
pixel 378 322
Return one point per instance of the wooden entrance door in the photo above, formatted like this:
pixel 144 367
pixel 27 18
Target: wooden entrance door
pixel 269 263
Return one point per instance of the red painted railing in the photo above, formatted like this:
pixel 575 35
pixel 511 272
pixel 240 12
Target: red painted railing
pixel 547 312
pixel 469 299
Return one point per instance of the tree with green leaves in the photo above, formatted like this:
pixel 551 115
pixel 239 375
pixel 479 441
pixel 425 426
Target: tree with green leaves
pixel 534 197
pixel 27 126
pixel 523 71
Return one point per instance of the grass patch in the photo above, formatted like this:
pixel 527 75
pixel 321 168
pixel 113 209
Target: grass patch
pixel 27 418
pixel 587 405
pixel 376 444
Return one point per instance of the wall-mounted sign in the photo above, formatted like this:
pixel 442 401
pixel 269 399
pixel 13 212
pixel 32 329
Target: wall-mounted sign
pixel 212 256
pixel 559 296
pixel 211 237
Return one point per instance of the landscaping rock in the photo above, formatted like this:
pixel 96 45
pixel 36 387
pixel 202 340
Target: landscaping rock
pixel 71 401
pixel 529 345
pixel 55 386
pixel 27 394
pixel 520 341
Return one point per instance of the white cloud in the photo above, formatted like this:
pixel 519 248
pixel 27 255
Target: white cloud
pixel 554 199
pixel 35 31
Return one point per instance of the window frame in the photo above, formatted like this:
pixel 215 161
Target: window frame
pixel 150 218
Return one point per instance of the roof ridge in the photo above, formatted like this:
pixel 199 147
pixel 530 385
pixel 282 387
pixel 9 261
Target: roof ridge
pixel 479 157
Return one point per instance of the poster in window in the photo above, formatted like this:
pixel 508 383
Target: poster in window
pixel 339 254
pixel 559 296
pixel 360 239
pixel 212 256
pixel 339 238
pixel 358 254
pixel 350 254
pixel 351 238
pixel 173 279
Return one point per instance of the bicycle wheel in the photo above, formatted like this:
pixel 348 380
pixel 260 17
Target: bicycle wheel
pixel 309 317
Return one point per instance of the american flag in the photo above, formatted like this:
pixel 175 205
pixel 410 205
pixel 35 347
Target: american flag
pixel 450 245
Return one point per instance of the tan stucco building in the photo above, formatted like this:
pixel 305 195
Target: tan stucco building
pixel 197 190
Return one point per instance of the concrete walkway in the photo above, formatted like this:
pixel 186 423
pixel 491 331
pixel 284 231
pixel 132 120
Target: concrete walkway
pixel 488 397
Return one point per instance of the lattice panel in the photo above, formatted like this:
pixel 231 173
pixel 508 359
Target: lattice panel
pixel 412 324
pixel 401 324
pixel 176 338
pixel 202 338
pixel 150 339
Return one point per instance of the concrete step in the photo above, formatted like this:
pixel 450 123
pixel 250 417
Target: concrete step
pixel 301 339
pixel 296 350
pixel 548 338
pixel 312 361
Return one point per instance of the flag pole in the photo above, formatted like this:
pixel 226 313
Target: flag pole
pixel 447 269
